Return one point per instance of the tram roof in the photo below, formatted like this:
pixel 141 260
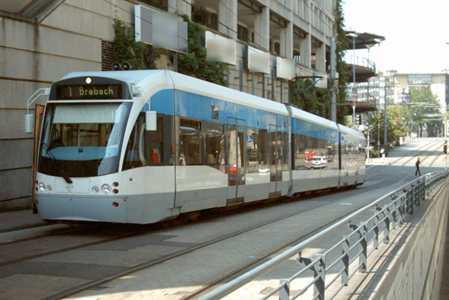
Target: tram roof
pixel 351 131
pixel 188 84
pixel 309 117
pixel 198 86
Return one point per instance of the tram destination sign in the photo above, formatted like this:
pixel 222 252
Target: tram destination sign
pixel 87 92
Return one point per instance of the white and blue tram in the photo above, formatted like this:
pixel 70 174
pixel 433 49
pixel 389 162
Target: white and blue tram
pixel 144 146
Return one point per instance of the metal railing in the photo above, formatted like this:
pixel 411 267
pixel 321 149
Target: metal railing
pixel 350 254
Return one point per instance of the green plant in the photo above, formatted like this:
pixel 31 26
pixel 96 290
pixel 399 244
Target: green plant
pixel 342 44
pixel 307 96
pixel 195 63
pixel 125 49
pixel 316 100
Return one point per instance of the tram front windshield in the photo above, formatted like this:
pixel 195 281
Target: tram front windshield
pixel 82 140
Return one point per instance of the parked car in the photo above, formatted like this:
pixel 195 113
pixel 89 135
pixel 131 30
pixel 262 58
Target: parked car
pixel 318 162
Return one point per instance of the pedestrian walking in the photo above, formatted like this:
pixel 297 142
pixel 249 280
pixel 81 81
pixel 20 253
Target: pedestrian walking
pixel 418 171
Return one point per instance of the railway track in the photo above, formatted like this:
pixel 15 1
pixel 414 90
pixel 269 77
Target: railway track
pixel 12 263
pixel 147 230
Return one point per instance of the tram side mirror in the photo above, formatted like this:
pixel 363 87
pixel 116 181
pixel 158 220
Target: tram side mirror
pixel 151 120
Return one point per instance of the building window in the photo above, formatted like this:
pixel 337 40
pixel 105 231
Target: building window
pixel 205 17
pixel 242 33
pixel 161 4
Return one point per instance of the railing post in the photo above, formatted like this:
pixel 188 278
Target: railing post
pixel 418 194
pixel 402 208
pixel 345 259
pixel 363 259
pixel 393 213
pixel 376 228
pixel 284 292
pixel 387 228
pixel 410 201
pixel 319 273
pixel 423 191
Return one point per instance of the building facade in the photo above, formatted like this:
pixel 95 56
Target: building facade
pixel 397 87
pixel 40 40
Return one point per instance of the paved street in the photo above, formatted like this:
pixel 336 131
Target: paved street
pixel 180 260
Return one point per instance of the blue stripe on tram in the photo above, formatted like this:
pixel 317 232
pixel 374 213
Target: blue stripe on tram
pixel 200 107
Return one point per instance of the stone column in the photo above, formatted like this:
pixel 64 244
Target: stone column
pixel 180 7
pixel 321 58
pixel 262 29
pixel 287 41
pixel 227 17
pixel 305 49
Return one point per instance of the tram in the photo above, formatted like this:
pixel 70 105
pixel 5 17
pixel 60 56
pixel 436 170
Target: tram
pixel 144 146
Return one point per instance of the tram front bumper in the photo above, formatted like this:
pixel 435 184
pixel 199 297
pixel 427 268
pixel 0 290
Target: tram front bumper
pixel 82 208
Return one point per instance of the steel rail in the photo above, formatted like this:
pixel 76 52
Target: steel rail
pixel 415 186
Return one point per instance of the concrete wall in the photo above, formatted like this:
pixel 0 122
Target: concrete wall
pixel 32 57
pixel 70 39
pixel 415 272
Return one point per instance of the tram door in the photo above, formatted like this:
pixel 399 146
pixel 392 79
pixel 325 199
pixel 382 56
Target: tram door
pixel 235 162
pixel 38 116
pixel 276 159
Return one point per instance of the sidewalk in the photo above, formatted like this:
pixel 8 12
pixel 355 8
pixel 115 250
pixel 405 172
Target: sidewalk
pixel 19 219
pixel 444 289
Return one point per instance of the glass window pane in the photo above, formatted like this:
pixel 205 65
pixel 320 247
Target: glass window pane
pixel 252 151
pixel 158 144
pixel 214 140
pixel 190 142
pixel 264 149
pixel 147 148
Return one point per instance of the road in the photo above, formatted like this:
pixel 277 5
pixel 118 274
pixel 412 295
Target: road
pixel 126 262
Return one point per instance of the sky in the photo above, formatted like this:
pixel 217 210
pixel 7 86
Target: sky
pixel 415 31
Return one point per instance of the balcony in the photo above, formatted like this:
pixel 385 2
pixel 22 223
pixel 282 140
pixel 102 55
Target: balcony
pixel 363 96
pixel 364 67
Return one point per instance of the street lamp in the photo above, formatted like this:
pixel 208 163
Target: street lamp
pixel 353 35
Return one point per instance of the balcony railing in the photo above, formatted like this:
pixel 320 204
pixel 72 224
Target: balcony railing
pixel 358 60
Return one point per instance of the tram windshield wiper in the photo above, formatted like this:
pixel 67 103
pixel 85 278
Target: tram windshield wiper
pixel 59 170
pixel 67 179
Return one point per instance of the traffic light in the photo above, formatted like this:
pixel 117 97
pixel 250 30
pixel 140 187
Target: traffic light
pixel 358 119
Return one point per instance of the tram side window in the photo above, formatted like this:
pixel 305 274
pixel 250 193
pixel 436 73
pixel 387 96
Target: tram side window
pixel 214 145
pixel 190 143
pixel 300 148
pixel 158 144
pixel 149 148
pixel 263 147
pixel 284 141
pixel 252 151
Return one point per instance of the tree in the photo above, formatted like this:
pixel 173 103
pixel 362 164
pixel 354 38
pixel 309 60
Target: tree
pixel 318 100
pixel 308 97
pixel 342 69
pixel 398 124
pixel 425 111
pixel 195 63
pixel 125 49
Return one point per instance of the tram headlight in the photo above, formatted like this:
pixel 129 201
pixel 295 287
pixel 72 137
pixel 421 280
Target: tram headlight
pixel 106 188
pixel 41 187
